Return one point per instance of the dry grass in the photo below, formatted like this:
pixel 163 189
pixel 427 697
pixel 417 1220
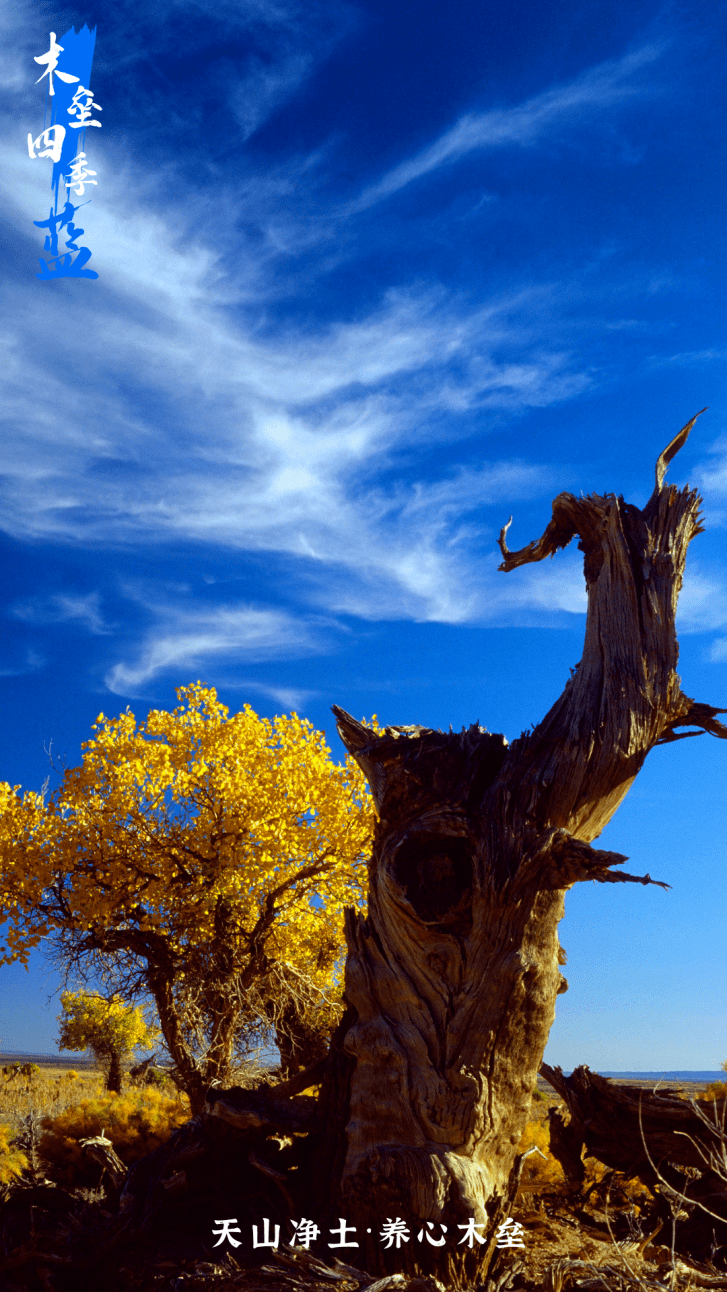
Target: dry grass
pixel 53 1090
pixel 46 1093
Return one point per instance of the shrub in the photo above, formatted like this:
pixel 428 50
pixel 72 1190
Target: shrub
pixel 28 1070
pixel 159 1077
pixel 716 1090
pixel 538 1172
pixel 545 1174
pixel 136 1123
pixel 12 1159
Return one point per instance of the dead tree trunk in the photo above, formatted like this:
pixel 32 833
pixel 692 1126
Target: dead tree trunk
pixel 675 1146
pixel 451 979
pixel 640 1132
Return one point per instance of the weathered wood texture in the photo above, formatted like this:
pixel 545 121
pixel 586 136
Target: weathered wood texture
pixel 258 1109
pixel 452 977
pixel 101 1150
pixel 678 1147
pixel 635 1131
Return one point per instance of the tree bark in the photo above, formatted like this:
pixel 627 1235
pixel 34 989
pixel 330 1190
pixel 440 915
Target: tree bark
pixel 101 1150
pixel 452 977
pixel 114 1074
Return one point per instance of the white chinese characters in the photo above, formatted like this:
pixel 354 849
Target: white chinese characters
pixel 72 108
pixel 53 145
pixel 229 1227
pixel 305 1232
pixel 266 1240
pixel 394 1232
pixel 51 58
pixel 83 110
pixel 508 1234
pixel 78 174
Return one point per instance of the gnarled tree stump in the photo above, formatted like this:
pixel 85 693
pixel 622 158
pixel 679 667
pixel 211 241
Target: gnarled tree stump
pixel 452 977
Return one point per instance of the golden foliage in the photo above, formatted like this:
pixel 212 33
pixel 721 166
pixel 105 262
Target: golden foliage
pixel 539 1172
pixel 136 1123
pixel 51 1091
pixel 542 1173
pixel 166 816
pixel 715 1090
pixel 12 1160
pixel 211 853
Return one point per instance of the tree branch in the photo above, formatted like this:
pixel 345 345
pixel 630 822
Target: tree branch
pixel 619 877
pixel 354 734
pixel 558 534
pixel 697 715
pixel 672 449
pixel 567 860
pixel 310 1076
pixel 575 768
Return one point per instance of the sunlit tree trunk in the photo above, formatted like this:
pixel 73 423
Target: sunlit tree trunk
pixel 451 979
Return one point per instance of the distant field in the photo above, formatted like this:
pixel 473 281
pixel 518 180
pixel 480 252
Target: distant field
pixel 690 1082
pixel 59 1084
pixel 46 1060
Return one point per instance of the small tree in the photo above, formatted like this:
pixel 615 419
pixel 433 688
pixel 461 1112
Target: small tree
pixel 110 1029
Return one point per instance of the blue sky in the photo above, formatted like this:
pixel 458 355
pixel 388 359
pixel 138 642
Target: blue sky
pixel 370 282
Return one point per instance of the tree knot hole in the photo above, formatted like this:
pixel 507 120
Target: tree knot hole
pixel 435 873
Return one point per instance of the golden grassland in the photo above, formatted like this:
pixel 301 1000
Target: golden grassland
pixel 46 1112
pixel 46 1093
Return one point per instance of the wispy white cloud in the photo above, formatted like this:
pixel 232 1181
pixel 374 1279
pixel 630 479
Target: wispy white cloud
pixel 165 404
pixel 718 650
pixel 264 87
pixel 61 607
pixel 186 636
pixel 687 358
pixel 290 698
pixel 711 473
pixel 260 441
pixel 525 124
pixel 710 477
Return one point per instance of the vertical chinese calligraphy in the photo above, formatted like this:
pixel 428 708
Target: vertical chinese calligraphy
pixel 73 110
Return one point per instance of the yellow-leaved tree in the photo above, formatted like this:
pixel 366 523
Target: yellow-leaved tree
pixel 201 858
pixel 110 1029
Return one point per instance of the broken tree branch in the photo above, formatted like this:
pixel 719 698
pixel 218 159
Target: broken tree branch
pixel 671 450
pixel 697 715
